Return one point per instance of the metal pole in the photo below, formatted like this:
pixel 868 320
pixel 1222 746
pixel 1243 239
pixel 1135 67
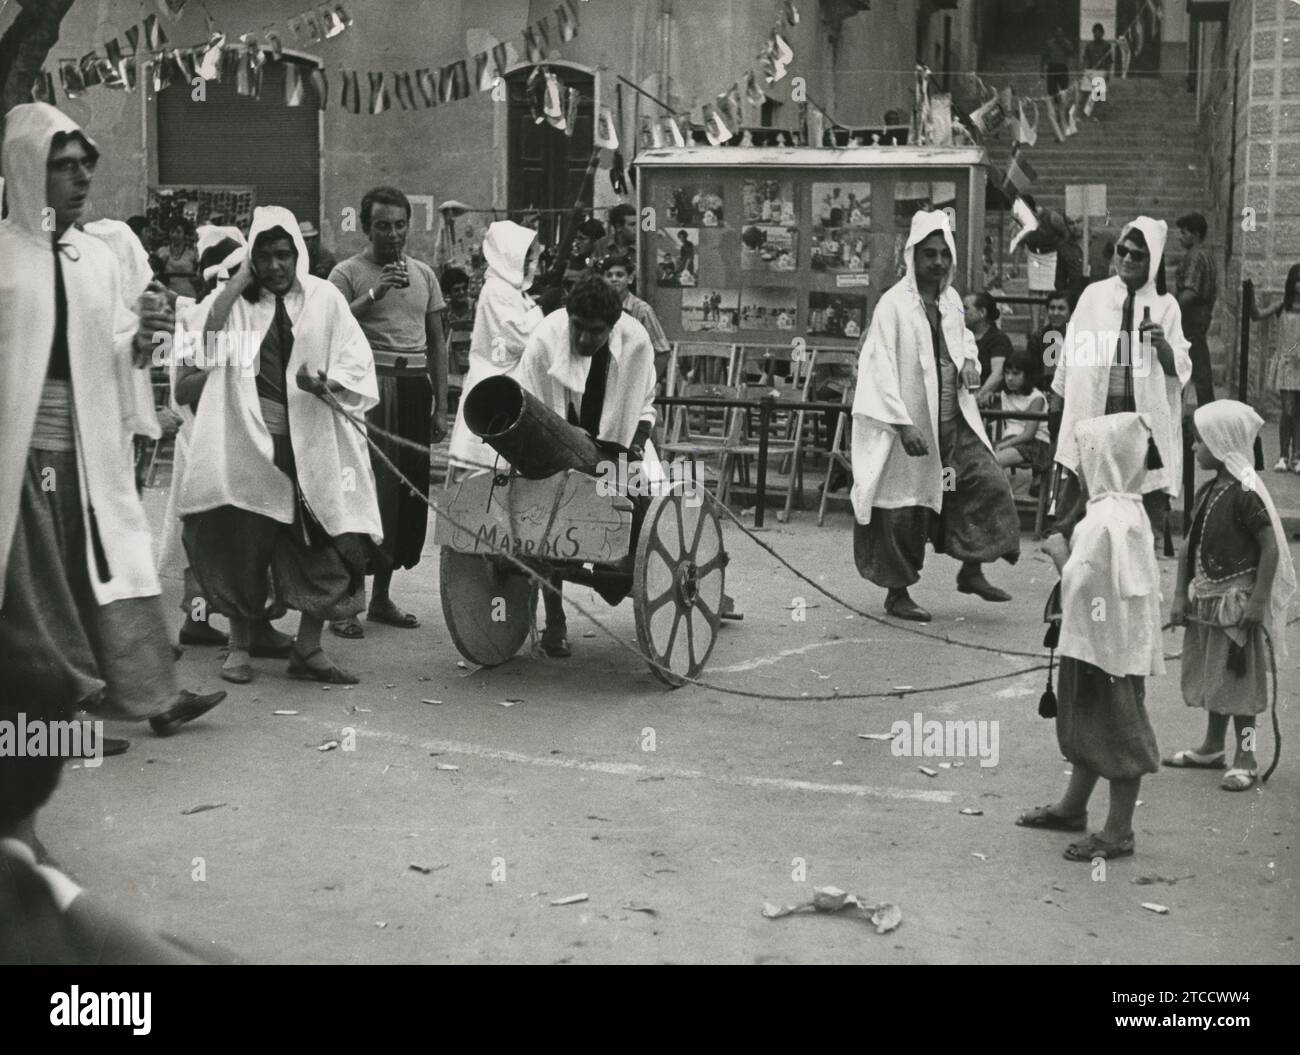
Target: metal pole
pixel 760 490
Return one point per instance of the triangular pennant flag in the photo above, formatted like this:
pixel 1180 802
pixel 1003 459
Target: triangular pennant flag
pixel 343 16
pixel 606 135
pixel 209 66
pixel 753 92
pixel 243 74
pixel 403 92
pixel 732 110
pixel 715 127
pixel 89 65
pixel 330 22
pixel 274 45
pixel 483 75
pixel 164 69
pixel 154 37
pixel 43 88
pixel 133 38
pixel 311 23
pixel 652 134
pixel 184 59
pixel 427 85
pixel 567 22
pixel 673 131
pixel 456 79
pixel 292 85
pixel 379 98
pixel 815 125
pixel 784 56
pixel 322 85
pixel 571 113
pixel 500 59
pixel 618 174
pixel 350 93
pixel 791 13
pixel 536 41
pixel 117 64
pixel 70 77
pixel 172 8
pixel 553 102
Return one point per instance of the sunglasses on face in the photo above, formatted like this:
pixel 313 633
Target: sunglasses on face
pixel 1122 251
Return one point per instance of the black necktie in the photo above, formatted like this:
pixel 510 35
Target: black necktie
pixel 1124 348
pixel 593 396
pixel 60 367
pixel 274 354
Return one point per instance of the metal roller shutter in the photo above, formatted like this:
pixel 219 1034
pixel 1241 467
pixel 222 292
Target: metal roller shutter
pixel 240 140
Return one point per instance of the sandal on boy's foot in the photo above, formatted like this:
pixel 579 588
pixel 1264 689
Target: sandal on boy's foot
pixel 1192 760
pixel 331 675
pixel 391 615
pixel 237 673
pixel 1238 779
pixel 348 628
pixel 1043 817
pixel 1095 846
pixel 188 706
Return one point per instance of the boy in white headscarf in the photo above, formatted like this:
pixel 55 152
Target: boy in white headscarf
pixel 1235 575
pixel 923 467
pixel 1110 638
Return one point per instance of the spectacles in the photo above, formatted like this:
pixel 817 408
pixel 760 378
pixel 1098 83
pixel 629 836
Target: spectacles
pixel 70 166
pixel 1122 251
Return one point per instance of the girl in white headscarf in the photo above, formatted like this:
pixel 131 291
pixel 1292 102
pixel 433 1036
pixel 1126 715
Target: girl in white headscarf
pixel 1235 575
pixel 1110 638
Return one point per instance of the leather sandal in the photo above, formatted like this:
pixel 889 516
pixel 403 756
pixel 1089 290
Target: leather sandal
pixel 332 675
pixel 1043 817
pixel 1095 846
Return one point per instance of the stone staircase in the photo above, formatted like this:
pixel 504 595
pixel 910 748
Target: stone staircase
pixel 1143 147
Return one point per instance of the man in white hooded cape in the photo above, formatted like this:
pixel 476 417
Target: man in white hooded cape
pixel 923 467
pixel 1114 360
pixel 504 318
pixel 80 608
pixel 277 482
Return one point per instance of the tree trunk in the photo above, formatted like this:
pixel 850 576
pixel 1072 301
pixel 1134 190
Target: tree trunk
pixel 25 46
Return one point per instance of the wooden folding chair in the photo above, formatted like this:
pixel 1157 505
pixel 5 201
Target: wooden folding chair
pixel 837 450
pixel 777 369
pixel 705 370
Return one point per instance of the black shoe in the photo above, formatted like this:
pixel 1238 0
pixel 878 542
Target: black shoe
pixel 901 606
pixel 186 709
pixel 981 587
pixel 113 745
pixel 554 643
pixel 270 643
pixel 208 635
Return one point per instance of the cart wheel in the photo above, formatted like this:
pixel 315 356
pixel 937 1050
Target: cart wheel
pixel 488 607
pixel 678 584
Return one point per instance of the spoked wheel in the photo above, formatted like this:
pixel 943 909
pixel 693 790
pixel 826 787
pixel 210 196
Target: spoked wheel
pixel 678 585
pixel 487 604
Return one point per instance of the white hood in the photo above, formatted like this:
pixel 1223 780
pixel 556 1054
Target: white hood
pixel 29 131
pixel 267 217
pixel 505 248
pixel 925 224
pixel 1156 233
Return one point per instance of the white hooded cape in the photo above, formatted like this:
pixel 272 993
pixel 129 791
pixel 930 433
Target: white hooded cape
pixel 1110 586
pixel 898 384
pixel 100 332
pixel 135 274
pixel 1229 429
pixel 1083 371
pixel 230 456
pixel 504 318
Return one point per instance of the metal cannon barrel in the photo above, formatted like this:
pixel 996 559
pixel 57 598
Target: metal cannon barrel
pixel 534 439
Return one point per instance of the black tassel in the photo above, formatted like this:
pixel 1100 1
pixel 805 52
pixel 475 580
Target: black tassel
pixel 1047 702
pixel 1153 455
pixel 1237 659
pixel 1053 636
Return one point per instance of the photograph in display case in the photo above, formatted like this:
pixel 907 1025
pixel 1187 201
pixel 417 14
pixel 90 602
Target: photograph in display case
pixel 768 202
pixel 841 236
pixel 766 248
pixel 710 310
pixel 769 308
pixel 677 257
pixel 694 205
pixel 842 315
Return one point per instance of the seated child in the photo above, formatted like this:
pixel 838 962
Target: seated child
pixel 1110 638
pixel 1234 575
pixel 1023 443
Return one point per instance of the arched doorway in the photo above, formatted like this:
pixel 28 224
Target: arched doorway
pixel 546 166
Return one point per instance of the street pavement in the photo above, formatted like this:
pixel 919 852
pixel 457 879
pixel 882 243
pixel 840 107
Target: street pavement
pixel 678 814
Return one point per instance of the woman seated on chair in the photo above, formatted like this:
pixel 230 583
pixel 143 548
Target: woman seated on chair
pixel 1023 443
